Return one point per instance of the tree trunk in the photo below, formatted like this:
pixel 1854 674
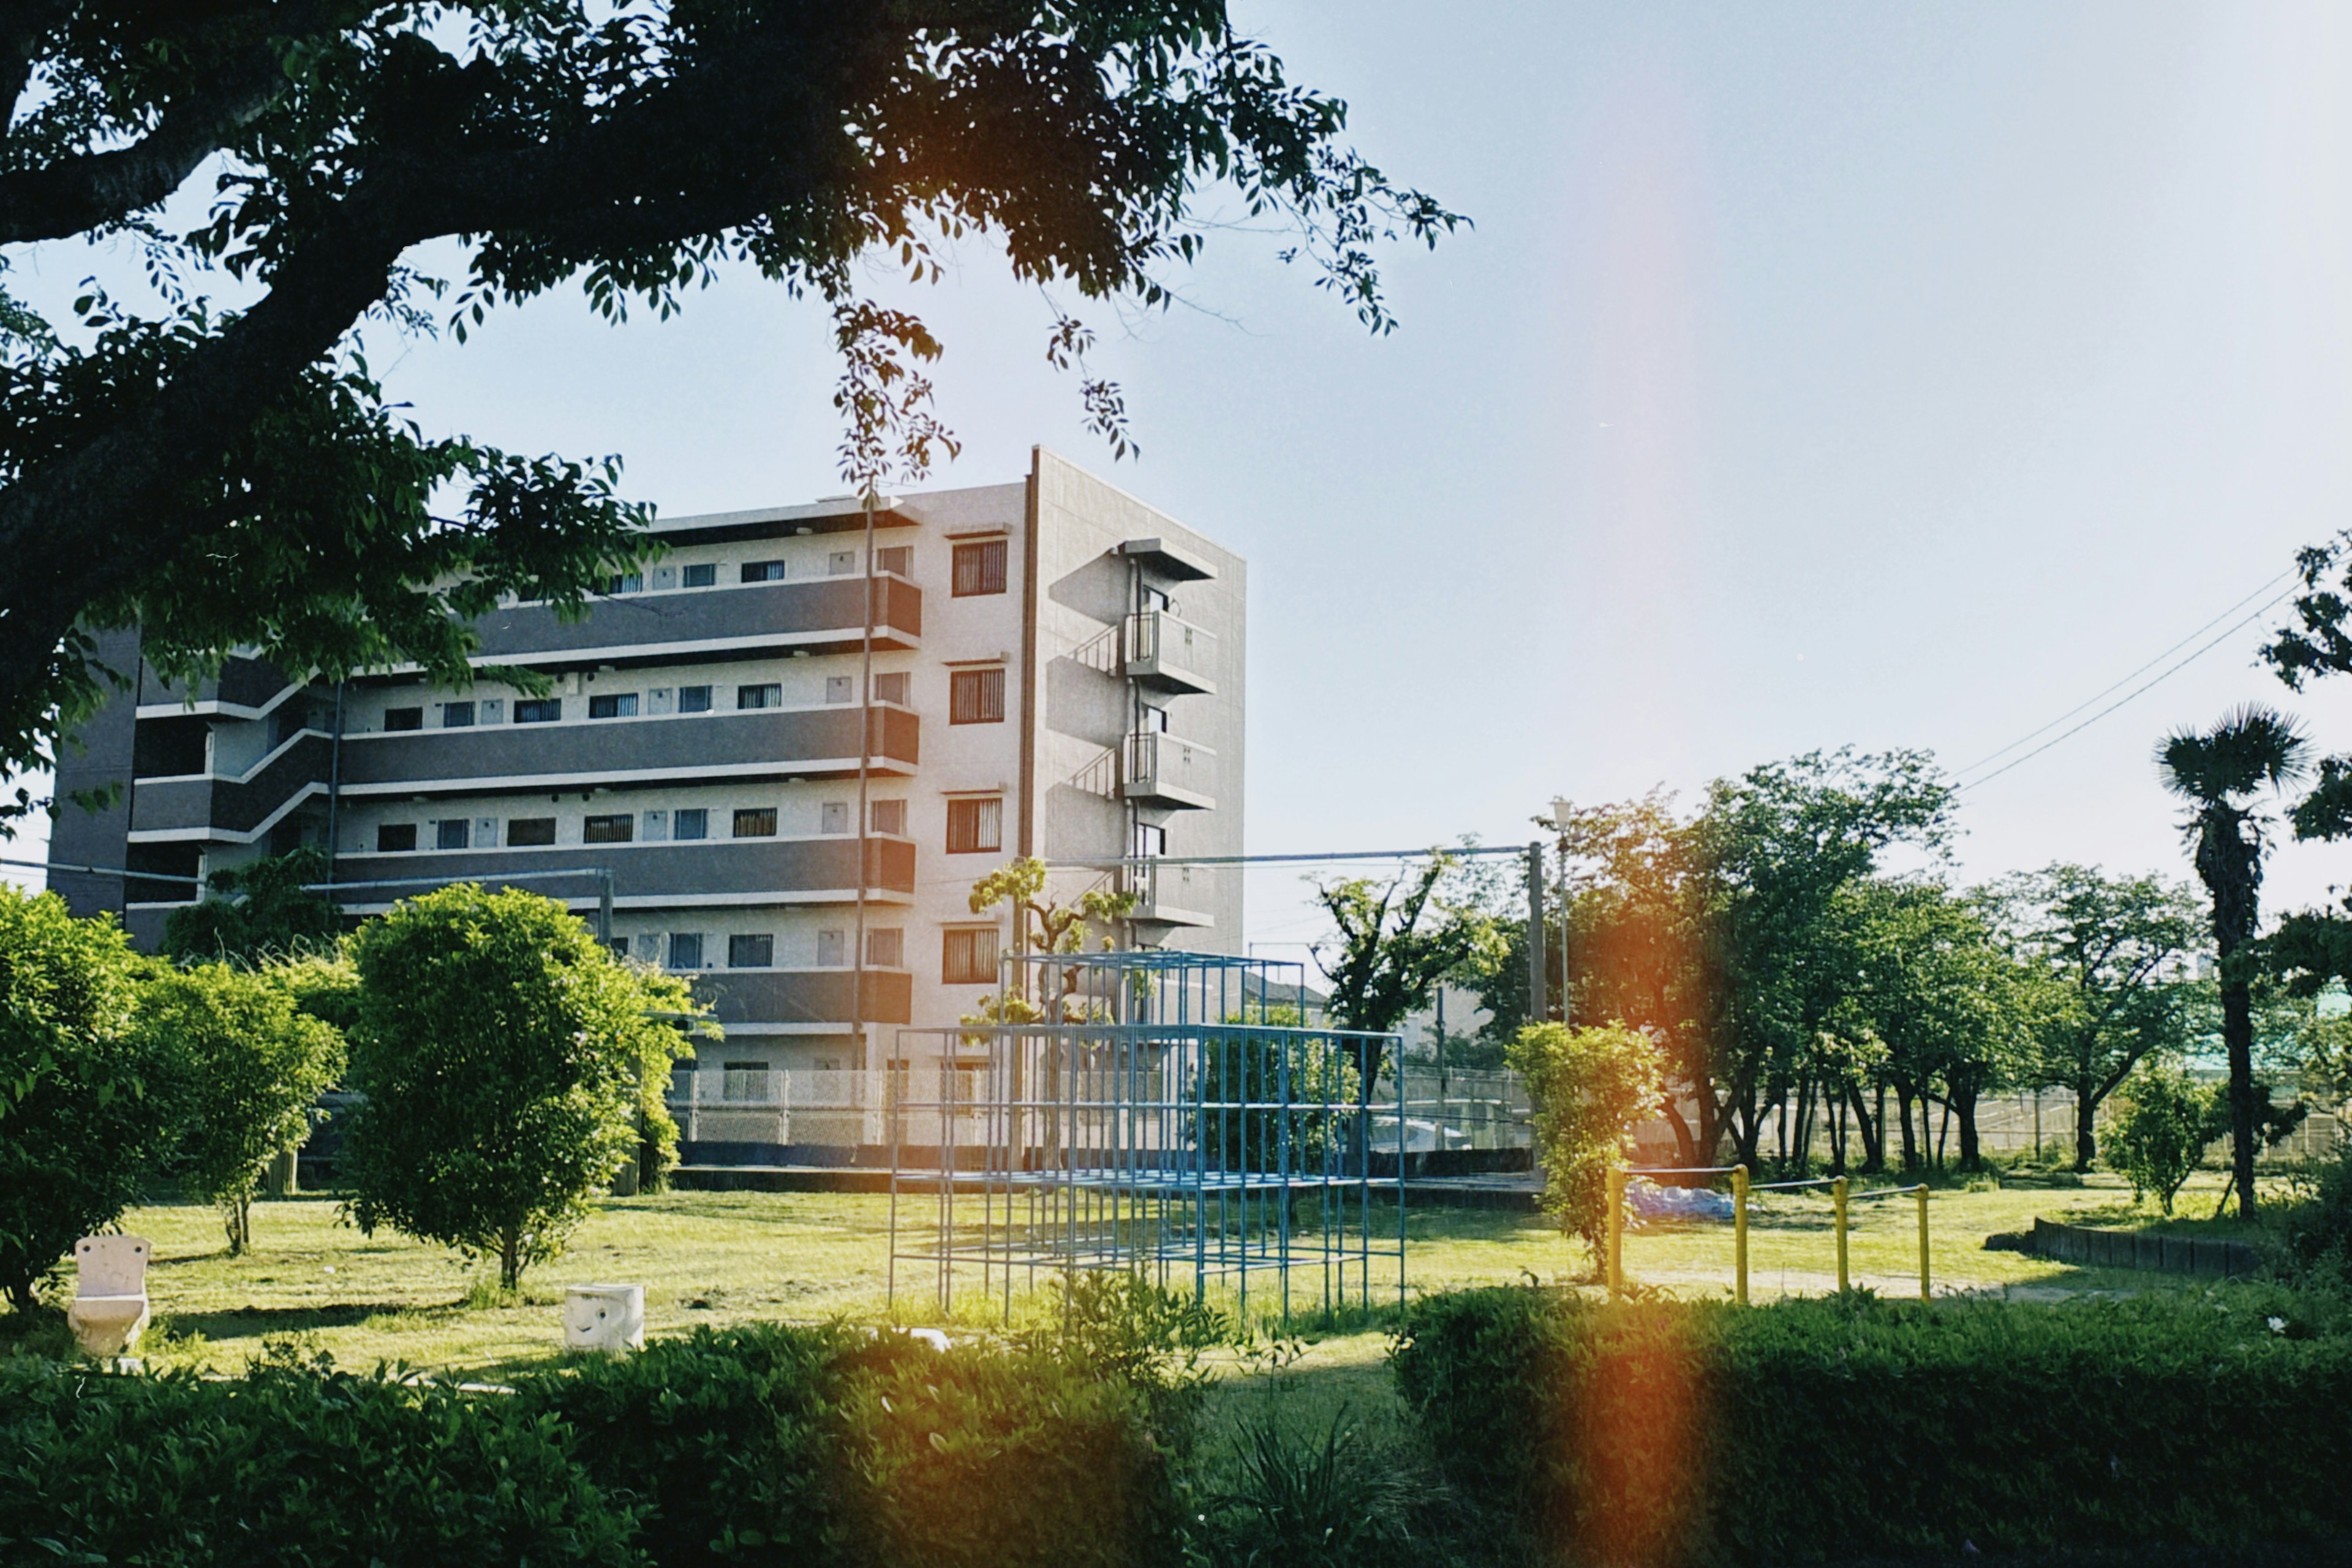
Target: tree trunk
pixel 2238 1034
pixel 1873 1141
pixel 509 1257
pixel 237 1218
pixel 1910 1147
pixel 1686 1145
pixel 1943 1133
pixel 2087 1111
pixel 1971 1152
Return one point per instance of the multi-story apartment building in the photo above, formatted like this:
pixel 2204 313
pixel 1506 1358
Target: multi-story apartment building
pixel 1047 668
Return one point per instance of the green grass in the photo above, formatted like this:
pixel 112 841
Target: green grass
pixel 726 1258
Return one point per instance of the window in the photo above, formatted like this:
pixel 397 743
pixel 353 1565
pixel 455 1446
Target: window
pixel 975 825
pixel 772 695
pixel 686 950
pixel 756 821
pixel 690 822
pixel 970 957
pixel 1157 598
pixel 620 946
pixel 744 1081
pixel 455 834
pixel 620 705
pixel 839 688
pixel 1150 840
pixel 656 826
pixel 457 715
pixel 898 560
pixel 395 838
pixel 841 562
pixel 626 583
pixel 832 816
pixel 538 709
pixel 832 949
pixel 979 568
pixel 704 575
pixel 523 832
pixel 891 688
pixel 885 949
pixel 764 570
pixel 976 696
pixel 890 816
pixel 751 951
pixel 1155 720
pixel 694 699
pixel 404 719
pixel 613 829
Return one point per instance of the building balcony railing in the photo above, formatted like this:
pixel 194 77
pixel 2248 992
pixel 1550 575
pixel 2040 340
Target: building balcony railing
pixel 1168 896
pixel 702 748
pixel 1170 654
pixel 821 616
pixel 644 876
pixel 805 997
pixel 1165 772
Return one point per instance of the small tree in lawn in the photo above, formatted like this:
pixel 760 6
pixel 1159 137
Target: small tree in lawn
pixel 511 1065
pixel 2163 1121
pixel 1590 1089
pixel 252 1065
pixel 86 1110
pixel 1041 925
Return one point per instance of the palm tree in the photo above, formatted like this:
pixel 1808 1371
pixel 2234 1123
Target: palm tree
pixel 2218 772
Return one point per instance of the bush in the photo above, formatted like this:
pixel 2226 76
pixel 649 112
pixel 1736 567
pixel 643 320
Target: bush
pixel 511 1065
pixel 1590 1089
pixel 85 1107
pixel 1843 1428
pixel 251 1067
pixel 817 1447
pixel 291 1464
pixel 2163 1121
pixel 824 1446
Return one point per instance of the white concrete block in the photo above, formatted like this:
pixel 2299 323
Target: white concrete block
pixel 610 1319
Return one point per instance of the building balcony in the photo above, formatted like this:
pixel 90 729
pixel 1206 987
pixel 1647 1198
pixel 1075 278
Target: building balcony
pixel 200 806
pixel 760 744
pixel 1164 772
pixel 710 872
pixel 818 616
pixel 1170 654
pixel 805 997
pixel 1166 896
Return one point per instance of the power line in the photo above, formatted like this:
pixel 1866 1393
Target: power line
pixel 2135 674
pixel 2120 701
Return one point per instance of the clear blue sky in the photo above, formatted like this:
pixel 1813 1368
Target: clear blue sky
pixel 1881 373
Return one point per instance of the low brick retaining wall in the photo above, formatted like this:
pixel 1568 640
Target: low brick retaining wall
pixel 2090 1248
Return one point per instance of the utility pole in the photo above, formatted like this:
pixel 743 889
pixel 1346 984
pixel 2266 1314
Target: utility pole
pixel 1538 1002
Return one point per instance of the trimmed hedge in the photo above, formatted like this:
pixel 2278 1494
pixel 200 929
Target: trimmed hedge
pixel 824 1448
pixel 1833 1429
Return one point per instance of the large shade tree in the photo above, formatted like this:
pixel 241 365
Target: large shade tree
pixel 2222 773
pixel 213 460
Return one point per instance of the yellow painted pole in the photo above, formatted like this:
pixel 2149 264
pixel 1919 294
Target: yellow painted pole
pixel 1922 1191
pixel 1739 1228
pixel 1838 1191
pixel 1616 1231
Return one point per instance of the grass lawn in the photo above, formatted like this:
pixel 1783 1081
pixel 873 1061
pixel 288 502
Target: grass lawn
pixel 724 1257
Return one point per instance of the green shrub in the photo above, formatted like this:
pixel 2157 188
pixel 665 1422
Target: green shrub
pixel 2163 1121
pixel 1814 1430
pixel 1590 1089
pixel 825 1447
pixel 818 1448
pixel 291 1464
pixel 87 1106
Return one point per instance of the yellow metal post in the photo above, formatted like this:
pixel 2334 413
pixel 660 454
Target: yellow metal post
pixel 1922 1191
pixel 1838 1192
pixel 1739 1228
pixel 1616 1231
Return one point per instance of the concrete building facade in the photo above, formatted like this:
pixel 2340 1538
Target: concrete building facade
pixel 1050 668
